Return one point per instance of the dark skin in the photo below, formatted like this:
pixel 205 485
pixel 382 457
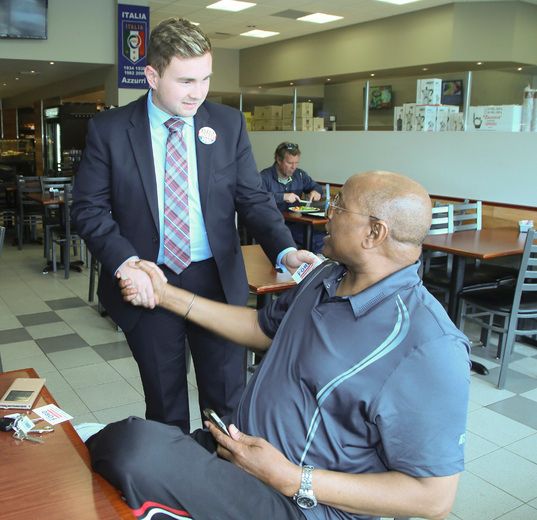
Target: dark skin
pixel 371 251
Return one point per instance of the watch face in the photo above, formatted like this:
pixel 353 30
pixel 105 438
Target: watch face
pixel 306 501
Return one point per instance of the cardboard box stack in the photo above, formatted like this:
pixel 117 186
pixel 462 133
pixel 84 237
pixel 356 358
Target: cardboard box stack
pixel 304 116
pixel 276 117
pixel 500 118
pixel 427 118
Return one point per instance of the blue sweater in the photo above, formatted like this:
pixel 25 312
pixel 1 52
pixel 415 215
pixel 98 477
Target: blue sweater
pixel 301 183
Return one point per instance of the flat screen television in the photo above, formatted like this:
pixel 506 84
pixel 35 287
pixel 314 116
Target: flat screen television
pixel 380 97
pixel 26 19
pixel 452 93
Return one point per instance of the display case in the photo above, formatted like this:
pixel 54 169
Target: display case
pixel 18 154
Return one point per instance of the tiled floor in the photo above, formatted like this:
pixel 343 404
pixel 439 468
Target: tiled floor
pixel 46 323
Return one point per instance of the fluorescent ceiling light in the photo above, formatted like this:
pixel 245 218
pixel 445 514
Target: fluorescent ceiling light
pixel 258 33
pixel 398 2
pixel 231 5
pixel 320 18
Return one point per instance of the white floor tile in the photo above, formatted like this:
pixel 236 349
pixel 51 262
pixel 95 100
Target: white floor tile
pixel 20 350
pixel 524 512
pixel 136 383
pixel 108 395
pixel 476 447
pixel 506 470
pixel 84 418
pixel 91 375
pixel 532 394
pixel 40 362
pixel 497 428
pixel 49 330
pixel 472 405
pixel 479 500
pixel 527 365
pixel 526 448
pixel 485 393
pixel 75 358
pixel 127 367
pixel 8 320
pixel 70 402
pixel 120 412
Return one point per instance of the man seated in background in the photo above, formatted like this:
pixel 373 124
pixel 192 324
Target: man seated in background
pixel 358 408
pixel 287 182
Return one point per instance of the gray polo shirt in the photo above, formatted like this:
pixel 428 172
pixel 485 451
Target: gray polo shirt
pixel 370 383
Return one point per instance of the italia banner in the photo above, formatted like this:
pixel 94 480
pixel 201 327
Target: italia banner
pixel 133 36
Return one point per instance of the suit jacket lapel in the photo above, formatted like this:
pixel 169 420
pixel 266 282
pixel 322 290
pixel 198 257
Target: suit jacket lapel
pixel 142 149
pixel 203 155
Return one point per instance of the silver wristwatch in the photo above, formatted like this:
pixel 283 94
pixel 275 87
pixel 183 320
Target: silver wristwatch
pixel 305 498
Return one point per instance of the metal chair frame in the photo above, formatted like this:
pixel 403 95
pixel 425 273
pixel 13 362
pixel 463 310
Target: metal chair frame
pixel 476 308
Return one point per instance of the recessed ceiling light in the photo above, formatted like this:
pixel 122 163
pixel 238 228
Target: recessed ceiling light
pixel 291 83
pixel 372 74
pixel 231 5
pixel 425 69
pixel 519 68
pixel 398 2
pixel 260 86
pixel 328 79
pixel 480 63
pixel 51 63
pixel 17 79
pixel 4 84
pixel 258 33
pixel 320 18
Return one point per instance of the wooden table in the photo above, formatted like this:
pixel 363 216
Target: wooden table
pixel 46 200
pixel 486 244
pixel 263 281
pixel 53 480
pixel 308 221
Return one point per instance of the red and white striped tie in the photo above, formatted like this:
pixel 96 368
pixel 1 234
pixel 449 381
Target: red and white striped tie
pixel 176 216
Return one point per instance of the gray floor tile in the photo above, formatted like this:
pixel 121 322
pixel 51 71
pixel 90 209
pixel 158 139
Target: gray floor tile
pixel 14 335
pixel 66 303
pixel 59 343
pixel 39 318
pixel 518 408
pixel 84 418
pixel 116 350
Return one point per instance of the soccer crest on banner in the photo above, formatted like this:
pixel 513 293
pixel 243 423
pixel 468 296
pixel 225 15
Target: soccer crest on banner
pixel 134 40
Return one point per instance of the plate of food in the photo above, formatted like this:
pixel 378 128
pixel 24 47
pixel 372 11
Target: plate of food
pixel 303 209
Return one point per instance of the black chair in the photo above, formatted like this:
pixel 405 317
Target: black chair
pixel 8 206
pixel 28 211
pixel 65 235
pixel 2 236
pixel 51 186
pixel 477 276
pixel 505 309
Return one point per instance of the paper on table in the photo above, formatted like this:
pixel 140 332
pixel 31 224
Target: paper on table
pixel 52 414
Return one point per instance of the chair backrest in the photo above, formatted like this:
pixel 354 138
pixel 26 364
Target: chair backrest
pixel 467 216
pixel 55 183
pixel 2 236
pixel 442 220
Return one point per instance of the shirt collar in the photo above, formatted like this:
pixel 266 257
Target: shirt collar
pixel 368 298
pixel 158 117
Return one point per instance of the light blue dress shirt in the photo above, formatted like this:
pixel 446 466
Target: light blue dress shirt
pixel 199 243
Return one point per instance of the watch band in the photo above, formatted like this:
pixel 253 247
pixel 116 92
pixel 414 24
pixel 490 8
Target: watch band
pixel 305 498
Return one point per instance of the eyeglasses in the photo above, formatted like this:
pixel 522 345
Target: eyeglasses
pixel 288 146
pixel 334 205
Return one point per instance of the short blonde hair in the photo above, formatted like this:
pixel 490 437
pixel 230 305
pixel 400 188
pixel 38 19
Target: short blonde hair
pixel 175 37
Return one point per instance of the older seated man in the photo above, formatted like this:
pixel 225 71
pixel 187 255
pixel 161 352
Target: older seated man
pixel 358 409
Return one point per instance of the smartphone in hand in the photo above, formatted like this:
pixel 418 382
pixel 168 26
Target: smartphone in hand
pixel 213 417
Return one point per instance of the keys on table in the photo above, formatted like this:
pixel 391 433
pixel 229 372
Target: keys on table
pixel 23 428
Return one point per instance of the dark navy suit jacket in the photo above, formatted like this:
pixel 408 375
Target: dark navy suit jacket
pixel 115 206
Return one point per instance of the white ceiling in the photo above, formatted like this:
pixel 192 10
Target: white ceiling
pixel 224 28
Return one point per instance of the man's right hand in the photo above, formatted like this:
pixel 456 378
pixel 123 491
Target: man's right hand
pixel 138 283
pixel 157 282
pixel 291 197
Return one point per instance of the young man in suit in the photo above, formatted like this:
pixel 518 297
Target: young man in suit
pixel 162 178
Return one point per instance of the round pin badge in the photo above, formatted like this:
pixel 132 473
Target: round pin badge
pixel 207 135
